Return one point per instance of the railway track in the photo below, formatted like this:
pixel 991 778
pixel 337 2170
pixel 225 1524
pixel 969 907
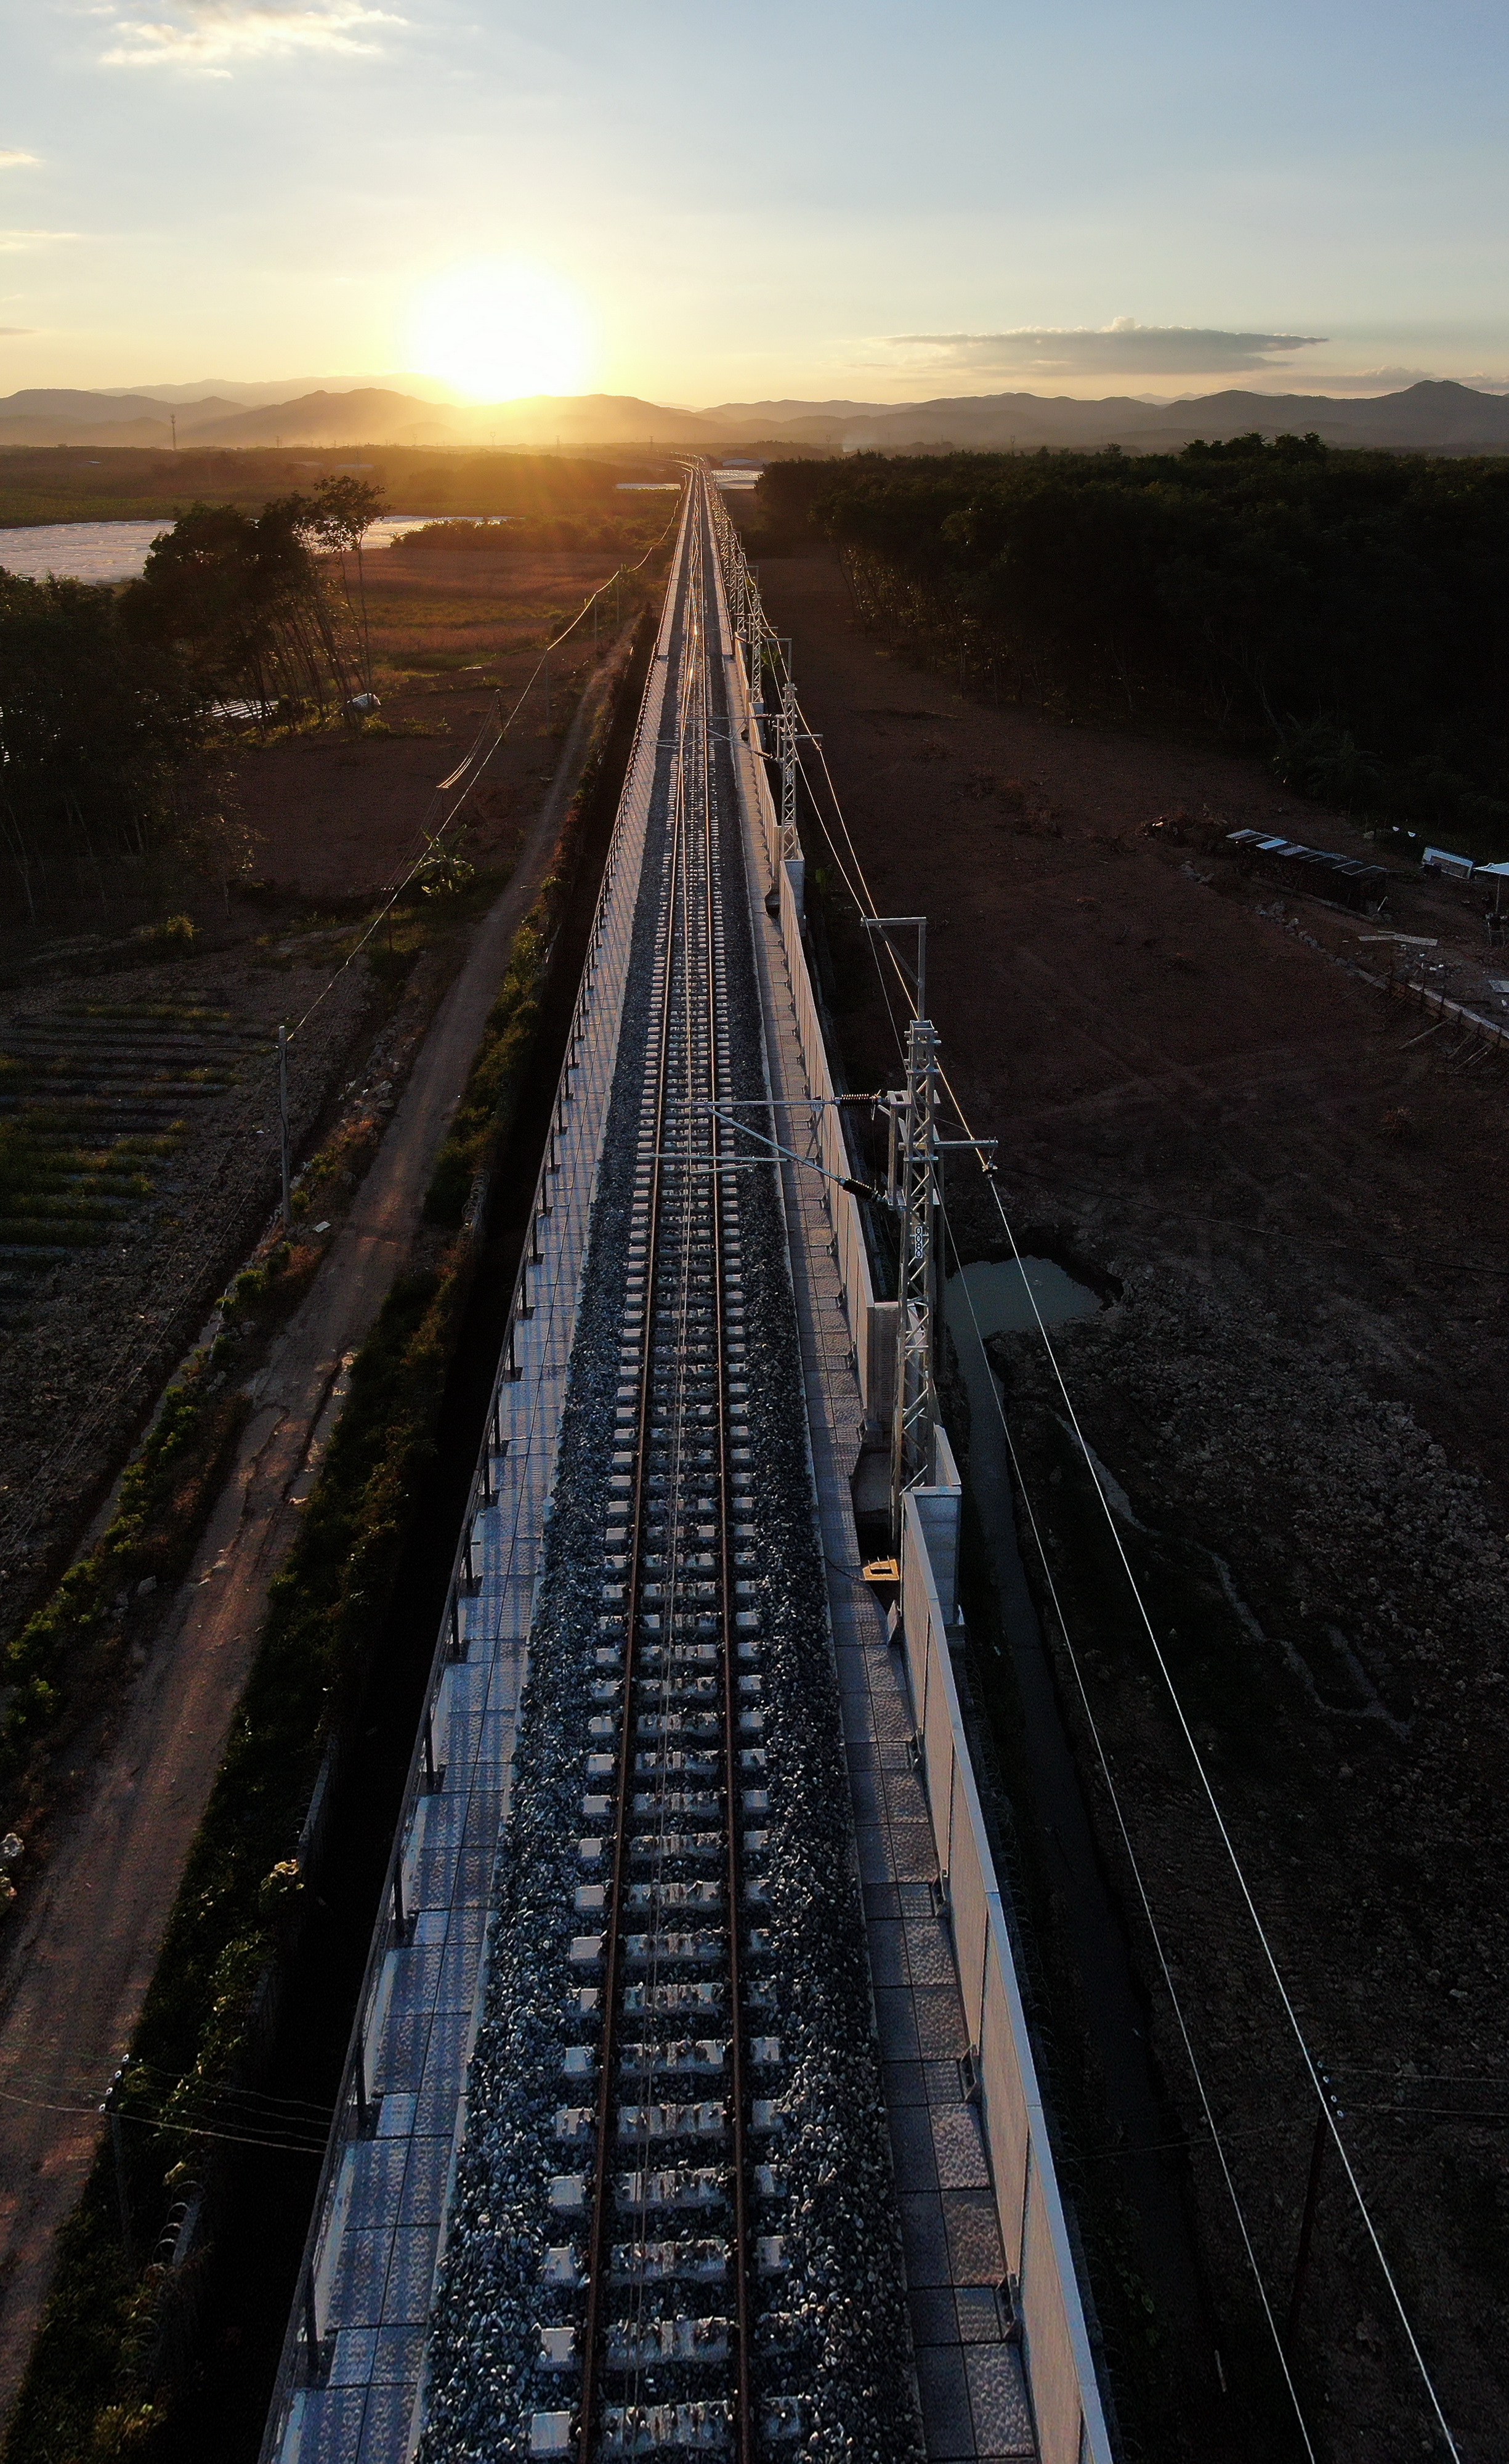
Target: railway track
pixel 676 2185
pixel 672 2229
pixel 615 2175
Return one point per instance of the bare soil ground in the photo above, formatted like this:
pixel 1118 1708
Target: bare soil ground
pixel 450 632
pixel 79 1947
pixel 162 1075
pixel 1290 1192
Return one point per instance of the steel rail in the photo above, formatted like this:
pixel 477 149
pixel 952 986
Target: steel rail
pixel 744 2425
pixel 685 1241
pixel 599 2238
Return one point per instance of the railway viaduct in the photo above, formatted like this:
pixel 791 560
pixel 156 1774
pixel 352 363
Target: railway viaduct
pixel 690 2108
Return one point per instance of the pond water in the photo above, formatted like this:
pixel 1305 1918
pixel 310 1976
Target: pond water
pixel 116 551
pixel 1002 1293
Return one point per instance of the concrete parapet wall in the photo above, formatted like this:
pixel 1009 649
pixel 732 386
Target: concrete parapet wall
pixel 366 2279
pixel 872 1322
pixel 1058 2363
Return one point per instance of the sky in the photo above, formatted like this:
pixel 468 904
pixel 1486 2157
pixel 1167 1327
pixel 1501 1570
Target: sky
pixel 876 202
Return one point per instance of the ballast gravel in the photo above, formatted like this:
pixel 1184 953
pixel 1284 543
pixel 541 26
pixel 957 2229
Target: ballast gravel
pixel 831 2328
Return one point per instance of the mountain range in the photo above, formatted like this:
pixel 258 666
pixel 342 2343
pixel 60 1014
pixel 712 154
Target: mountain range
pixel 1436 415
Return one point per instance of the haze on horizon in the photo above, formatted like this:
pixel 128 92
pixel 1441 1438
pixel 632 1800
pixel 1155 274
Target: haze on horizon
pixel 877 205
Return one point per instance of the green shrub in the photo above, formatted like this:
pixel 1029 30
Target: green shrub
pixel 173 933
pixel 163 1496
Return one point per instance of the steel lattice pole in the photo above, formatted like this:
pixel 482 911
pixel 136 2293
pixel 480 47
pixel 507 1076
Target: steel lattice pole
pixel 911 1451
pixel 786 724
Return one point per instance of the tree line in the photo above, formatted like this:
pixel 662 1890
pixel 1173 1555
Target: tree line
pixel 1342 611
pixel 110 759
pixel 76 483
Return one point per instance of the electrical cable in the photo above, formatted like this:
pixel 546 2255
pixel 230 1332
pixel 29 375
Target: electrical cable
pixel 1270 1957
pixel 1310 2064
pixel 774 653
pixel 160 2121
pixel 1267 2130
pixel 133 1355
pixel 503 726
pixel 1103 1759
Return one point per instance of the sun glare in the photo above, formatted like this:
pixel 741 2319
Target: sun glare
pixel 499 331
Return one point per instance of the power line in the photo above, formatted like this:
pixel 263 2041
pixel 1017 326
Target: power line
pixel 502 726
pixel 166 2122
pixel 1324 2102
pixel 135 1355
pixel 1104 1760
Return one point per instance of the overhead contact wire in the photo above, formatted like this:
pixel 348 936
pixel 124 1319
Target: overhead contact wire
pixel 1311 2066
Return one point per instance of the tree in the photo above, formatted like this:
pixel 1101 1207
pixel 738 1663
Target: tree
pixel 242 599
pixel 339 515
pixel 104 761
pixel 1341 611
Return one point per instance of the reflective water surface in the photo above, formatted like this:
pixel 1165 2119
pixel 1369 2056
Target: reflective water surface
pixel 1001 1294
pixel 116 551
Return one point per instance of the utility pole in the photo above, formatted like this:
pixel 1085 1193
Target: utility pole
pixel 786 755
pixel 282 1123
pixel 911 1190
pixel 366 629
pixel 913 1174
pixel 914 1193
pixel 749 617
pixel 757 651
pixel 737 581
pixel 111 2107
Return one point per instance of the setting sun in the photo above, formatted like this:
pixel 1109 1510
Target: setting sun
pixel 499 331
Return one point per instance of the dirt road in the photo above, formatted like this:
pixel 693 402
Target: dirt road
pixel 78 1954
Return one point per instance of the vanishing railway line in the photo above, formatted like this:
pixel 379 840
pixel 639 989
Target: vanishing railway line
pixel 676 2045
pixel 656 2136
pixel 616 2138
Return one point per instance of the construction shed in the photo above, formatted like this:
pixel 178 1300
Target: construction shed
pixel 1344 879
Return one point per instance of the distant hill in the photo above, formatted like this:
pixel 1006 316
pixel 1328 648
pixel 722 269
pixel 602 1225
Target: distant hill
pixel 371 415
pixel 595 419
pixel 64 416
pixel 752 418
pixel 1431 417
pixel 250 394
pixel 367 415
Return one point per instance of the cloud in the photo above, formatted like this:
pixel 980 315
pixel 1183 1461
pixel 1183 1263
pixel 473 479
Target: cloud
pixel 11 241
pixel 216 35
pixel 1365 380
pixel 17 329
pixel 1373 380
pixel 12 158
pixel 1122 348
